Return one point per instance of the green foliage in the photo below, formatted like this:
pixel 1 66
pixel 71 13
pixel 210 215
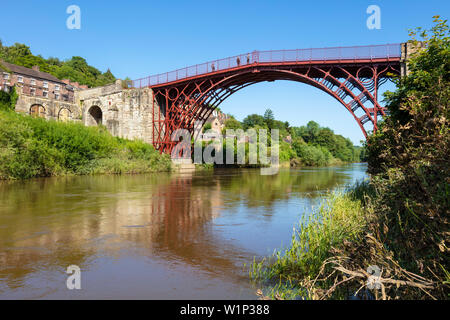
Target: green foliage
pixel 286 152
pixel 337 220
pixel 8 100
pixel 76 69
pixel 207 126
pixel 4 101
pixel 312 155
pixel 253 120
pixel 312 145
pixel 409 158
pixel 232 124
pixel 404 225
pixel 269 118
pixel 34 147
pixel 339 147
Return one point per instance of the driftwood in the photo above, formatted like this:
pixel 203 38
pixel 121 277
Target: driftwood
pixel 342 274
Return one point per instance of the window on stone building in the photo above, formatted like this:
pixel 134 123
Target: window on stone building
pixel 45 84
pixel 45 93
pixel 20 79
pixel 57 96
pixel 33 82
pixel 32 91
pixel 5 76
pixel 56 87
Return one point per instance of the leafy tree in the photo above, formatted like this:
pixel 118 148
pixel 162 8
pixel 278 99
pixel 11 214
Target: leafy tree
pixel 232 123
pixel 326 138
pixel 312 129
pixel 269 118
pixel 253 120
pixel 76 69
pixel 280 125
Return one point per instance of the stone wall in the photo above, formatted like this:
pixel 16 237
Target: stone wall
pixel 126 113
pixel 53 109
pixel 408 49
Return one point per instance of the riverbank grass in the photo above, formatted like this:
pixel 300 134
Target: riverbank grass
pixel 32 147
pixel 339 219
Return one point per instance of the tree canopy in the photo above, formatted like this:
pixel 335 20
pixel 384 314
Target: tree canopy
pixel 310 144
pixel 76 69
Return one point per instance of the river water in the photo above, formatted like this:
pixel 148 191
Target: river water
pixel 158 236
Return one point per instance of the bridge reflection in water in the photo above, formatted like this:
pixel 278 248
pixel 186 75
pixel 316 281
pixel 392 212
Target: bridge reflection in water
pixel 155 236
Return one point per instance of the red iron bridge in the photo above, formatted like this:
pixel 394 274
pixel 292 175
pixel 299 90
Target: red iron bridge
pixel 352 75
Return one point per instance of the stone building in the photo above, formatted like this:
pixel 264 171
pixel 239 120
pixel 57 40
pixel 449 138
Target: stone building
pixel 126 113
pixel 34 82
pixel 217 120
pixel 40 94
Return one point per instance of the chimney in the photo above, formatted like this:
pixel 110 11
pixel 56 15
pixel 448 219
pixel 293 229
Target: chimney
pixel 35 68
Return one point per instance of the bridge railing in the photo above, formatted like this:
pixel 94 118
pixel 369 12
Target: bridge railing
pixel 384 51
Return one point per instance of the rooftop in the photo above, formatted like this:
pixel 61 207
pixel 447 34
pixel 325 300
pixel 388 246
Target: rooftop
pixel 34 73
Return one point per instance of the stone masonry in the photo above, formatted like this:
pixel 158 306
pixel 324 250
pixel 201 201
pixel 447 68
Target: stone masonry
pixel 409 49
pixel 126 113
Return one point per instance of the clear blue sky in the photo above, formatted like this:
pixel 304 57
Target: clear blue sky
pixel 140 38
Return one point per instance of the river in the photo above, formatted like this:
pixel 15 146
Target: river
pixel 158 236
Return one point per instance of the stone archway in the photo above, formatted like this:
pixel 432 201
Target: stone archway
pixel 64 114
pixel 94 116
pixel 37 111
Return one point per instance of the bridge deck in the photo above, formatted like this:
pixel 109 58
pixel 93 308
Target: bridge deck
pixel 332 55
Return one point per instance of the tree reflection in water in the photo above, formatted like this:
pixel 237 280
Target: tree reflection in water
pixel 48 224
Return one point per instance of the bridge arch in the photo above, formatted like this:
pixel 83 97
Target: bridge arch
pixel 355 89
pixel 37 110
pixel 94 116
pixel 351 75
pixel 64 114
pixel 214 96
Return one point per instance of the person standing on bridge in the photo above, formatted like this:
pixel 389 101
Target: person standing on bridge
pixel 248 58
pixel 213 67
pixel 238 61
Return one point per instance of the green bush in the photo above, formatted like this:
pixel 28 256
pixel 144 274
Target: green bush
pixel 286 152
pixel 313 156
pixel 339 219
pixel 8 100
pixel 34 147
